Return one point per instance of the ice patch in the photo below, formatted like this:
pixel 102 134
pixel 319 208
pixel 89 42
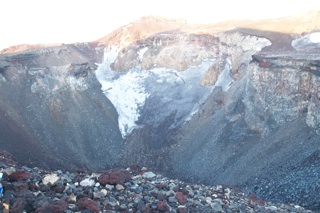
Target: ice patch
pixel 110 55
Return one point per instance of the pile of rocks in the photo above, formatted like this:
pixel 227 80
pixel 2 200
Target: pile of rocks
pixel 133 189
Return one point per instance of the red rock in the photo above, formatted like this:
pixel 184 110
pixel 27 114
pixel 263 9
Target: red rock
pixel 264 64
pixel 18 206
pixel 114 176
pixel 58 207
pixel 161 185
pixel 181 198
pixel 6 158
pixel 162 206
pixel 50 208
pixel 19 175
pixel 88 204
pixel 62 203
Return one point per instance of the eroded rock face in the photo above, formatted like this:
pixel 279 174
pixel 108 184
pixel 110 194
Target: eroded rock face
pixel 52 108
pixel 262 124
pixel 160 82
pixel 285 89
pixel 167 50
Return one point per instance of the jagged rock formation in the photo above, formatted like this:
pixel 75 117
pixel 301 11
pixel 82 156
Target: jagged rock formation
pixel 212 103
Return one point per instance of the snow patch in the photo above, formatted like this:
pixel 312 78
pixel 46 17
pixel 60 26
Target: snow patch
pixel 142 52
pixel 125 91
pixel 314 37
pixel 224 79
pixel 149 97
pixel 308 41
pixel 128 94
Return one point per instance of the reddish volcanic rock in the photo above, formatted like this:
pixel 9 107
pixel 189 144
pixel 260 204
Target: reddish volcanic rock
pixel 181 198
pixel 162 206
pixel 19 175
pixel 58 207
pixel 88 204
pixel 264 64
pixel 6 158
pixel 114 176
pixel 160 185
pixel 18 206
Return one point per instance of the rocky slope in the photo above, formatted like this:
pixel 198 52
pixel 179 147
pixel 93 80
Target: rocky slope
pixel 134 189
pixel 232 103
pixel 44 116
